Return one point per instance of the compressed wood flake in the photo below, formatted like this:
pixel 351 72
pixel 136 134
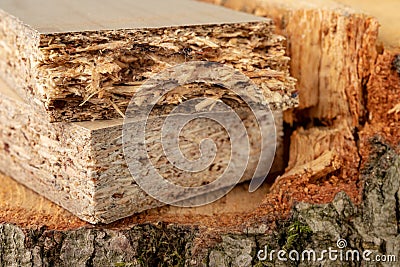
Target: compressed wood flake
pixel 81 166
pixel 78 62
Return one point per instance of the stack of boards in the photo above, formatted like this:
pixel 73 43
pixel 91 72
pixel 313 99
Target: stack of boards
pixel 69 70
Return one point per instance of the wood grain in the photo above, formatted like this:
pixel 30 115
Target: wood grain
pixel 47 16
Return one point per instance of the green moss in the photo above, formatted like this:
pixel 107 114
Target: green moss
pixel 296 235
pixel 161 246
pixel 293 235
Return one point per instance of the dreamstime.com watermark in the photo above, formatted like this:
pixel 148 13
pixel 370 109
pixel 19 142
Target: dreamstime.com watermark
pixel 140 120
pixel 339 253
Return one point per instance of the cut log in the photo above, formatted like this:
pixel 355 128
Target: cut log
pixel 23 207
pixel 347 81
pixel 383 87
pixel 82 167
pixel 332 52
pixel 28 237
pixel 80 63
pixel 34 231
pixel 388 19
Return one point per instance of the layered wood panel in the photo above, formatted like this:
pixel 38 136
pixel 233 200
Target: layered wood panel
pixel 78 62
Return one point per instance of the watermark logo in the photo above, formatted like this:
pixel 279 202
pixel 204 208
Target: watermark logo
pixel 341 253
pixel 148 118
pixel 341 243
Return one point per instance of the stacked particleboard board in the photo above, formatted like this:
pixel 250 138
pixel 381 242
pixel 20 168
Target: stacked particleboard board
pixel 78 64
pixel 65 63
pixel 81 165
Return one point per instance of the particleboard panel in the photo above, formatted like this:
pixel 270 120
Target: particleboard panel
pixel 90 15
pixel 89 63
pixel 81 166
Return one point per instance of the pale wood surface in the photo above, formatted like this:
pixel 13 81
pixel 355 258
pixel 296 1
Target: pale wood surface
pixel 49 16
pixel 21 206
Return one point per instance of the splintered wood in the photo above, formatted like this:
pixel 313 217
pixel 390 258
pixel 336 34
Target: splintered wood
pixel 384 84
pixel 69 77
pixel 88 66
pixel 348 77
pixel 332 48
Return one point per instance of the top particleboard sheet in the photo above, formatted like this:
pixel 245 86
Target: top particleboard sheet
pixel 49 16
pixel 84 60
